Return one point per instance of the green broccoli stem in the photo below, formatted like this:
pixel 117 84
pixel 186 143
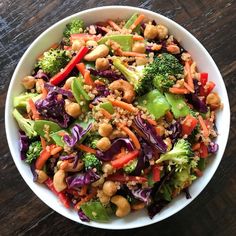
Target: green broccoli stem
pixel 21 100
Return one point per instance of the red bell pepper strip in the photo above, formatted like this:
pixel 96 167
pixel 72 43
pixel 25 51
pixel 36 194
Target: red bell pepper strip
pixel 62 196
pixel 203 150
pixel 120 162
pixel 206 89
pixel 156 173
pixel 188 125
pixel 60 76
pixel 84 37
pixel 203 78
pixel 126 178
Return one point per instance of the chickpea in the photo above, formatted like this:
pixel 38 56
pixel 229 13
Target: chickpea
pixel 109 188
pixel 72 108
pixel 107 168
pixel 150 32
pixel 77 44
pixel 141 61
pixel 105 129
pixel 139 47
pixel 42 176
pixel 102 64
pixel 38 87
pixel 213 100
pixel 123 206
pixel 91 43
pixel 162 31
pixel 104 199
pixel 28 82
pixel 104 144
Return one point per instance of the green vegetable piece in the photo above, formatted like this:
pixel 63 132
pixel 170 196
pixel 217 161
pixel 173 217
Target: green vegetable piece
pixel 151 182
pixel 21 100
pixel 201 164
pixel 166 192
pixel 25 124
pixel 45 127
pixel 34 151
pixel 108 107
pixel 78 91
pixel 155 102
pixel 58 139
pixel 130 167
pixel 91 161
pixel 74 27
pixel 125 41
pixel 95 211
pixel 163 82
pixel 178 105
pixel 130 21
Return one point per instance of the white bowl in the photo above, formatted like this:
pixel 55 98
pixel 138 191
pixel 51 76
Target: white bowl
pixel 190 43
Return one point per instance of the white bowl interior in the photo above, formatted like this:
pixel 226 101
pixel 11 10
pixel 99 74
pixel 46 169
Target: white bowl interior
pixel 204 63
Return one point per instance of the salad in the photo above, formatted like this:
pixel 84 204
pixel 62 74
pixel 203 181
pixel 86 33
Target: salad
pixel 116 118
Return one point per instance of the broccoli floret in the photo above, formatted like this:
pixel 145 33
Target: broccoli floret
pixel 21 100
pixel 93 143
pixel 74 27
pixel 25 124
pixel 91 161
pixel 34 151
pixel 163 82
pixel 131 166
pixel 53 61
pixel 179 156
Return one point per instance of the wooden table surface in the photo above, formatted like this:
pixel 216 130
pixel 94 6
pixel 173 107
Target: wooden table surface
pixel 213 22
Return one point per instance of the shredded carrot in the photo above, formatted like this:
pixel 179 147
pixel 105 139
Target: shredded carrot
pixel 196 146
pixel 86 199
pixel 203 126
pixel 56 150
pixel 137 21
pixel 99 82
pixel 137 37
pixel 43 142
pixel 91 106
pixel 124 105
pixel 34 110
pixel 178 90
pixel 188 87
pixel 159 131
pixel 114 25
pixel 151 121
pixel 131 135
pixel 83 190
pixel 81 67
pixel 119 155
pixel 105 113
pixel 169 116
pixel 130 54
pixel 87 78
pixel 61 133
pixel 86 148
pixel 189 76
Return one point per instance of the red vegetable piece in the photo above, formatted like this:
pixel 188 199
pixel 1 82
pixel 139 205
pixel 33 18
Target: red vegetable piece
pixel 203 150
pixel 126 178
pixel 156 173
pixel 188 125
pixel 203 78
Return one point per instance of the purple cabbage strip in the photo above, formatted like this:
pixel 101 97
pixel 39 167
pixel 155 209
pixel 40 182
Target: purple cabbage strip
pixel 149 134
pixel 77 132
pixel 77 181
pixel 69 157
pixel 32 168
pixel 198 104
pixel 143 194
pixel 115 149
pixel 41 75
pixel 176 129
pixel 82 216
pixel 24 145
pixel 109 74
pixel 58 90
pixel 213 147
pixel 53 109
pixel 103 91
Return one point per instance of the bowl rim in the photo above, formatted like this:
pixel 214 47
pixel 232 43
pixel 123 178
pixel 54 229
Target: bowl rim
pixel 8 110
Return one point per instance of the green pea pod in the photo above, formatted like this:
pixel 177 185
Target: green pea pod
pixel 95 211
pixel 45 127
pixel 108 107
pixel 155 102
pixel 130 21
pixel 201 164
pixel 124 40
pixel 78 90
pixel 178 106
pixel 58 139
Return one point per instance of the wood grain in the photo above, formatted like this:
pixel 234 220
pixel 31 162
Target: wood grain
pixel 213 22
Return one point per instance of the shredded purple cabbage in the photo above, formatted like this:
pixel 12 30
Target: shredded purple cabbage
pixel 213 147
pixel 109 74
pixel 32 168
pixel 24 145
pixel 77 132
pixel 58 90
pixel 77 181
pixel 198 104
pixel 176 129
pixel 149 134
pixel 115 149
pixel 142 194
pixel 103 91
pixel 41 75
pixel 53 109
pixel 69 157
pixel 82 216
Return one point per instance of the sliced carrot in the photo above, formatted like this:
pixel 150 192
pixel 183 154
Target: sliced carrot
pixel 56 150
pixel 99 82
pixel 41 160
pixel 61 133
pixel 131 135
pixel 34 110
pixel 189 76
pixel 137 21
pixel 105 113
pixel 114 25
pixel 188 87
pixel 169 116
pixel 43 142
pixel 178 90
pixel 85 148
pixel 196 146
pixel 86 198
pixel 203 126
pixel 81 67
pixel 137 37
pixel 151 121
pixel 87 78
pixel 123 105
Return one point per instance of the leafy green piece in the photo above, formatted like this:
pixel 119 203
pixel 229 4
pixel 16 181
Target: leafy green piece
pixel 107 106
pixel 58 139
pixel 45 127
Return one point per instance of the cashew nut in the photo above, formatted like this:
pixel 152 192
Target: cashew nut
pixel 42 176
pixel 100 51
pixel 123 206
pixel 125 87
pixel 28 82
pixel 109 188
pixel 102 64
pixel 104 199
pixel 213 100
pixel 59 180
pixel 69 166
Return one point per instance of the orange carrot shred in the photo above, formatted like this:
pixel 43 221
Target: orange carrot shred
pixel 124 105
pixel 43 142
pixel 151 121
pixel 105 113
pixel 56 150
pixel 34 110
pixel 137 37
pixel 87 78
pixel 85 148
pixel 188 87
pixel 178 90
pixel 114 25
pixel 169 116
pixel 203 126
pixel 189 76
pixel 137 21
pixel 196 146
